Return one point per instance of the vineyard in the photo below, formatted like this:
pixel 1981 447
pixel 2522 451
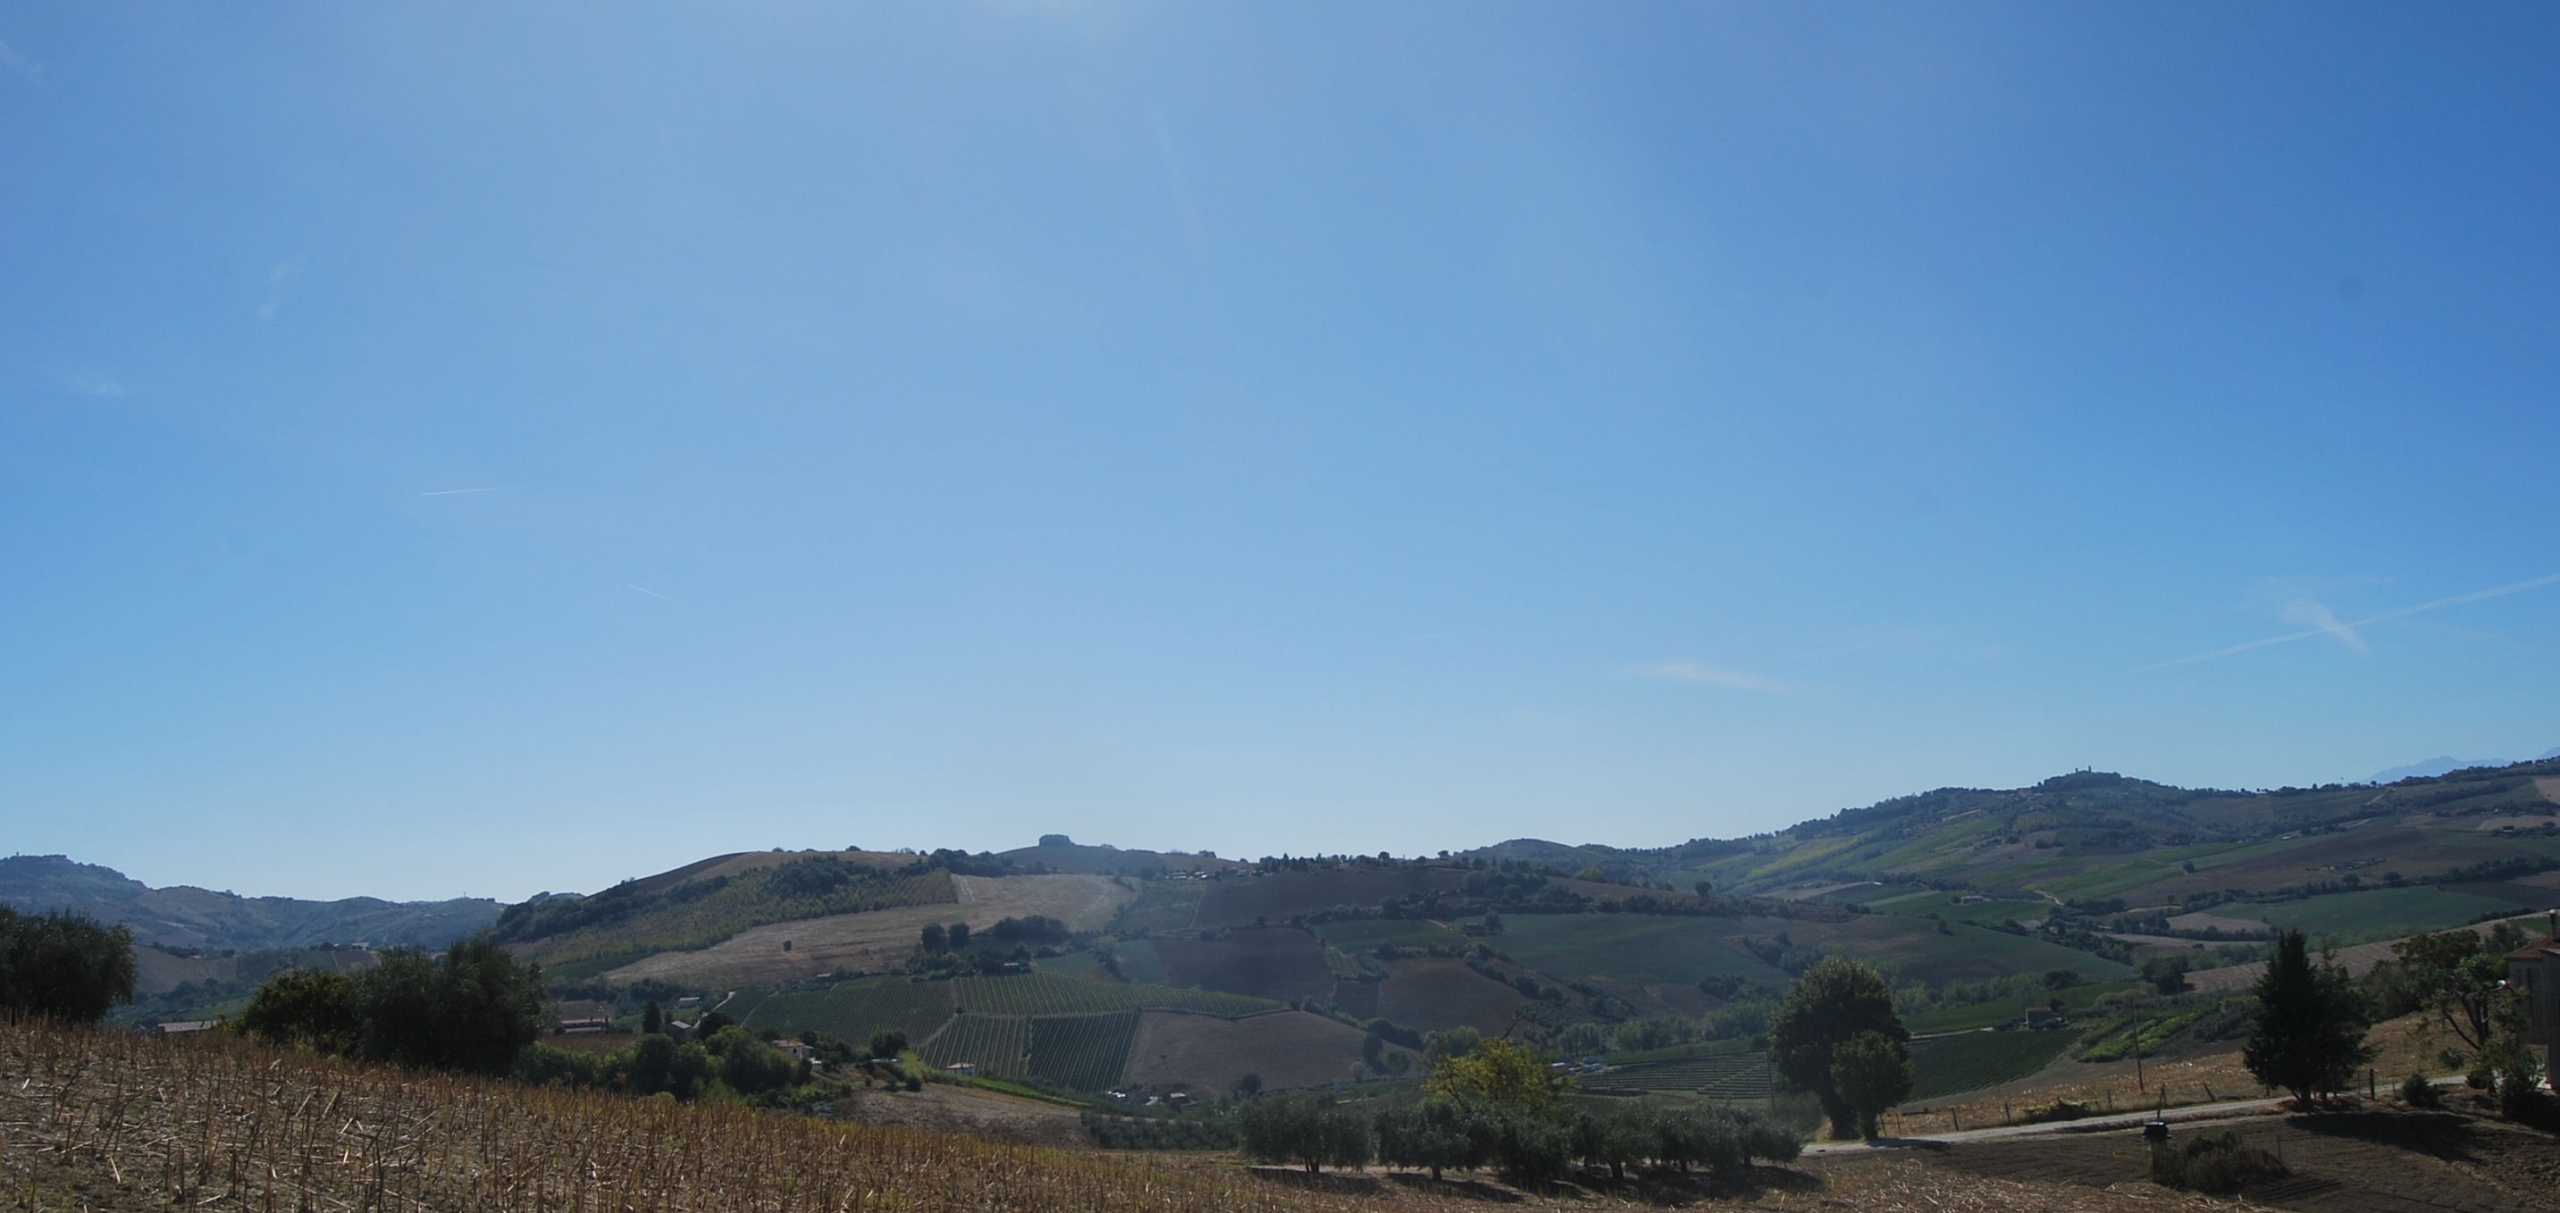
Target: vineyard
pixel 1044 994
pixel 999 1045
pixel 101 1120
pixel 1162 906
pixel 1731 1076
pixel 1082 1052
pixel 853 1010
pixel 1969 1061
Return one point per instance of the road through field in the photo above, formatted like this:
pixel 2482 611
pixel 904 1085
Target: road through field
pixel 2087 1124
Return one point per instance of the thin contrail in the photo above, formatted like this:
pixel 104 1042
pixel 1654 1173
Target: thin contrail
pixel 2385 617
pixel 645 590
pixel 451 492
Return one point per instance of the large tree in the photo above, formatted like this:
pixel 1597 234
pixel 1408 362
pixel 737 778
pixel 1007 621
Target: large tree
pixel 1829 1006
pixel 2307 1035
pixel 472 1009
pixel 2456 975
pixel 61 965
pixel 1872 1072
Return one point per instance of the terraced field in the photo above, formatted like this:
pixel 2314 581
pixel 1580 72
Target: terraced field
pixel 853 1010
pixel 1732 1076
pixel 1969 1061
pixel 999 1045
pixel 1082 1052
pixel 1044 994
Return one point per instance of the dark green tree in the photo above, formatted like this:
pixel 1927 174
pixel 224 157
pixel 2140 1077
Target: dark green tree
pixel 61 965
pixel 1305 1128
pixel 936 940
pixel 1872 1072
pixel 658 1063
pixel 959 935
pixel 1831 1003
pixel 748 1065
pixel 652 1020
pixel 1431 1135
pixel 2167 972
pixel 887 1042
pixel 2307 1034
pixel 305 1008
pixel 473 1009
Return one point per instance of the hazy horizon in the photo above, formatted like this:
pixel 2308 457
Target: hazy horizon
pixel 478 450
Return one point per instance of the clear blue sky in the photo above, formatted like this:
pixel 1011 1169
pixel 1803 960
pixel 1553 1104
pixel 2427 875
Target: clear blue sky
pixel 494 448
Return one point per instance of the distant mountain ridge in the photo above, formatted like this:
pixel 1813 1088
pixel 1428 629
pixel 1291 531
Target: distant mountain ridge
pixel 183 916
pixel 2446 764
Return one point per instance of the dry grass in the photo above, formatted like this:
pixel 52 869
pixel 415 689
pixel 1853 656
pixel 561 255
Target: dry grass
pixel 2186 1081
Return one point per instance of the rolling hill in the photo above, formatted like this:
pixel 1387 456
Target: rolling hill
pixel 1088 966
pixel 191 919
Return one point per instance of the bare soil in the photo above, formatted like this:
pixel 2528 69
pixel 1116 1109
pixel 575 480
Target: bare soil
pixel 1434 992
pixel 1208 1054
pixel 953 1109
pixel 1276 962
pixel 2389 1161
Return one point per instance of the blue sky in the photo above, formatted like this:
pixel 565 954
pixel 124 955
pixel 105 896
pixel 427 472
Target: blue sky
pixel 473 449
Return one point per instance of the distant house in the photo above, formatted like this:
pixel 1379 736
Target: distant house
pixel 798 1049
pixel 2535 969
pixel 577 1017
pixel 2043 1017
pixel 1972 899
pixel 186 1027
pixel 971 1068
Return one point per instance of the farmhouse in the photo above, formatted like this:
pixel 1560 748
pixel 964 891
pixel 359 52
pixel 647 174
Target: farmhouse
pixel 583 1016
pixel 2535 969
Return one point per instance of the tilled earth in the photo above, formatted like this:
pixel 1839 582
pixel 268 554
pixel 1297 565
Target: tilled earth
pixel 2348 1162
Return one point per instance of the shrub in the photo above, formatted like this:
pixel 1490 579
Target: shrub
pixel 2218 1163
pixel 2417 1092
pixel 303 1007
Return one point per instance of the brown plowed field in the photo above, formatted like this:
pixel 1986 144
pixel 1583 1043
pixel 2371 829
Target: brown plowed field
pixel 1208 1054
pixel 2357 1162
pixel 1267 962
pixel 1434 992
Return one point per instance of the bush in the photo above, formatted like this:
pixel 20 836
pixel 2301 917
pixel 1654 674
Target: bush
pixel 2520 1086
pixel 748 1065
pixel 2417 1092
pixel 303 1007
pixel 61 965
pixel 2218 1163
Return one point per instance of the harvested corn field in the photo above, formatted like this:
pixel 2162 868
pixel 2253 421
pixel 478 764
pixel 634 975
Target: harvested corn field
pixel 100 1121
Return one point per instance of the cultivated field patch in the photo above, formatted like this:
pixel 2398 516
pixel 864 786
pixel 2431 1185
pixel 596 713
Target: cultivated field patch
pixel 1208 1054
pixel 1637 947
pixel 851 1011
pixel 1240 901
pixel 879 940
pixel 1432 993
pixel 1970 1061
pixel 1271 962
pixel 1082 1052
pixel 999 1045
pixel 1043 994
